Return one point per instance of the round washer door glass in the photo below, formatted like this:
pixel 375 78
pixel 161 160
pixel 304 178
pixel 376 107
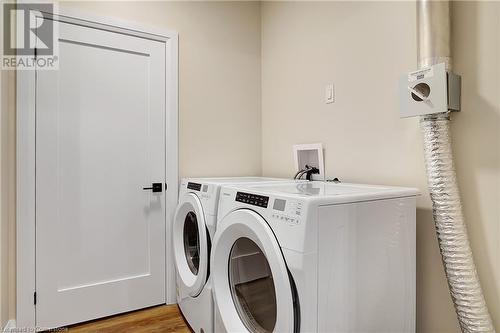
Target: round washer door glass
pixel 252 286
pixel 192 242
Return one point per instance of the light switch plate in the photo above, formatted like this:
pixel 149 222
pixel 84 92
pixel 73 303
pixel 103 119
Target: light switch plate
pixel 329 93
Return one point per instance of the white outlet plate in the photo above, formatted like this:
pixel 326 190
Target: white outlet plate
pixel 310 154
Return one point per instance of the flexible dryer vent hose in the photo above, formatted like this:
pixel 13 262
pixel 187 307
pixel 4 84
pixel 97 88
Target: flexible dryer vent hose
pixel 456 252
pixel 434 31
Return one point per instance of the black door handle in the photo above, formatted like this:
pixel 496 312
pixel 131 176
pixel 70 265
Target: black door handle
pixel 155 187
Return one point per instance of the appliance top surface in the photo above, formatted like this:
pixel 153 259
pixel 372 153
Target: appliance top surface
pixel 235 180
pixel 334 192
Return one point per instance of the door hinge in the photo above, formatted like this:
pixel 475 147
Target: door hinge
pixel 34 298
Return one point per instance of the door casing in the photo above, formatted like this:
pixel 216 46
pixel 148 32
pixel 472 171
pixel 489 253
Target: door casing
pixel 25 145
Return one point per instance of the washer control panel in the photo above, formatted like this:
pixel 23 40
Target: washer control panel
pixel 194 186
pixel 203 191
pixel 287 211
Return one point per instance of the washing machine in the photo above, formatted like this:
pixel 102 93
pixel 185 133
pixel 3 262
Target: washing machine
pixel 193 230
pixel 314 257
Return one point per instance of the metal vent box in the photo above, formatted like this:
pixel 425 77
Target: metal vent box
pixel 429 90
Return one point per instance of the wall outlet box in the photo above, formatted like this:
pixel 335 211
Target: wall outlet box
pixel 312 155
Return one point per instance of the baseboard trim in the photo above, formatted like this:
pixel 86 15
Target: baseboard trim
pixel 10 326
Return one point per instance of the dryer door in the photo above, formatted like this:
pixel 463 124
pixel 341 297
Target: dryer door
pixel 191 244
pixel 251 284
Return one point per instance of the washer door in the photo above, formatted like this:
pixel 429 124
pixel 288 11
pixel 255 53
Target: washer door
pixel 251 284
pixel 191 244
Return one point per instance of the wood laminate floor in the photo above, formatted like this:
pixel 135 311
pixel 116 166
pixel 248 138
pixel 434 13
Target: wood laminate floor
pixel 164 318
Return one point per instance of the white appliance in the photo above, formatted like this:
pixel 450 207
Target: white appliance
pixel 193 230
pixel 314 257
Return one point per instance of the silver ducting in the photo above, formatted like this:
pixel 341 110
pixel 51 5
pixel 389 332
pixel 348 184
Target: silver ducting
pixel 434 33
pixel 456 253
pixel 465 289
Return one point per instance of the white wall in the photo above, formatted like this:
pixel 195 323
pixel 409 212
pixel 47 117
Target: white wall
pixel 363 47
pixel 476 136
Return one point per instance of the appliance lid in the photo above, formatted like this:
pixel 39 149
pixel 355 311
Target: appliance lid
pixel 236 180
pixel 337 190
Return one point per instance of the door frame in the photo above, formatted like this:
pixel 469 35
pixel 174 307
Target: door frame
pixel 25 154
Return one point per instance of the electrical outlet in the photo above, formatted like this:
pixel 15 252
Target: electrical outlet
pixel 311 155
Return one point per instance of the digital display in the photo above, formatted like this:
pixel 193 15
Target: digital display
pixel 194 186
pixel 279 204
pixel 252 199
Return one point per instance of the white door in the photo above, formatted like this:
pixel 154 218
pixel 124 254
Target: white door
pixel 251 284
pixel 100 138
